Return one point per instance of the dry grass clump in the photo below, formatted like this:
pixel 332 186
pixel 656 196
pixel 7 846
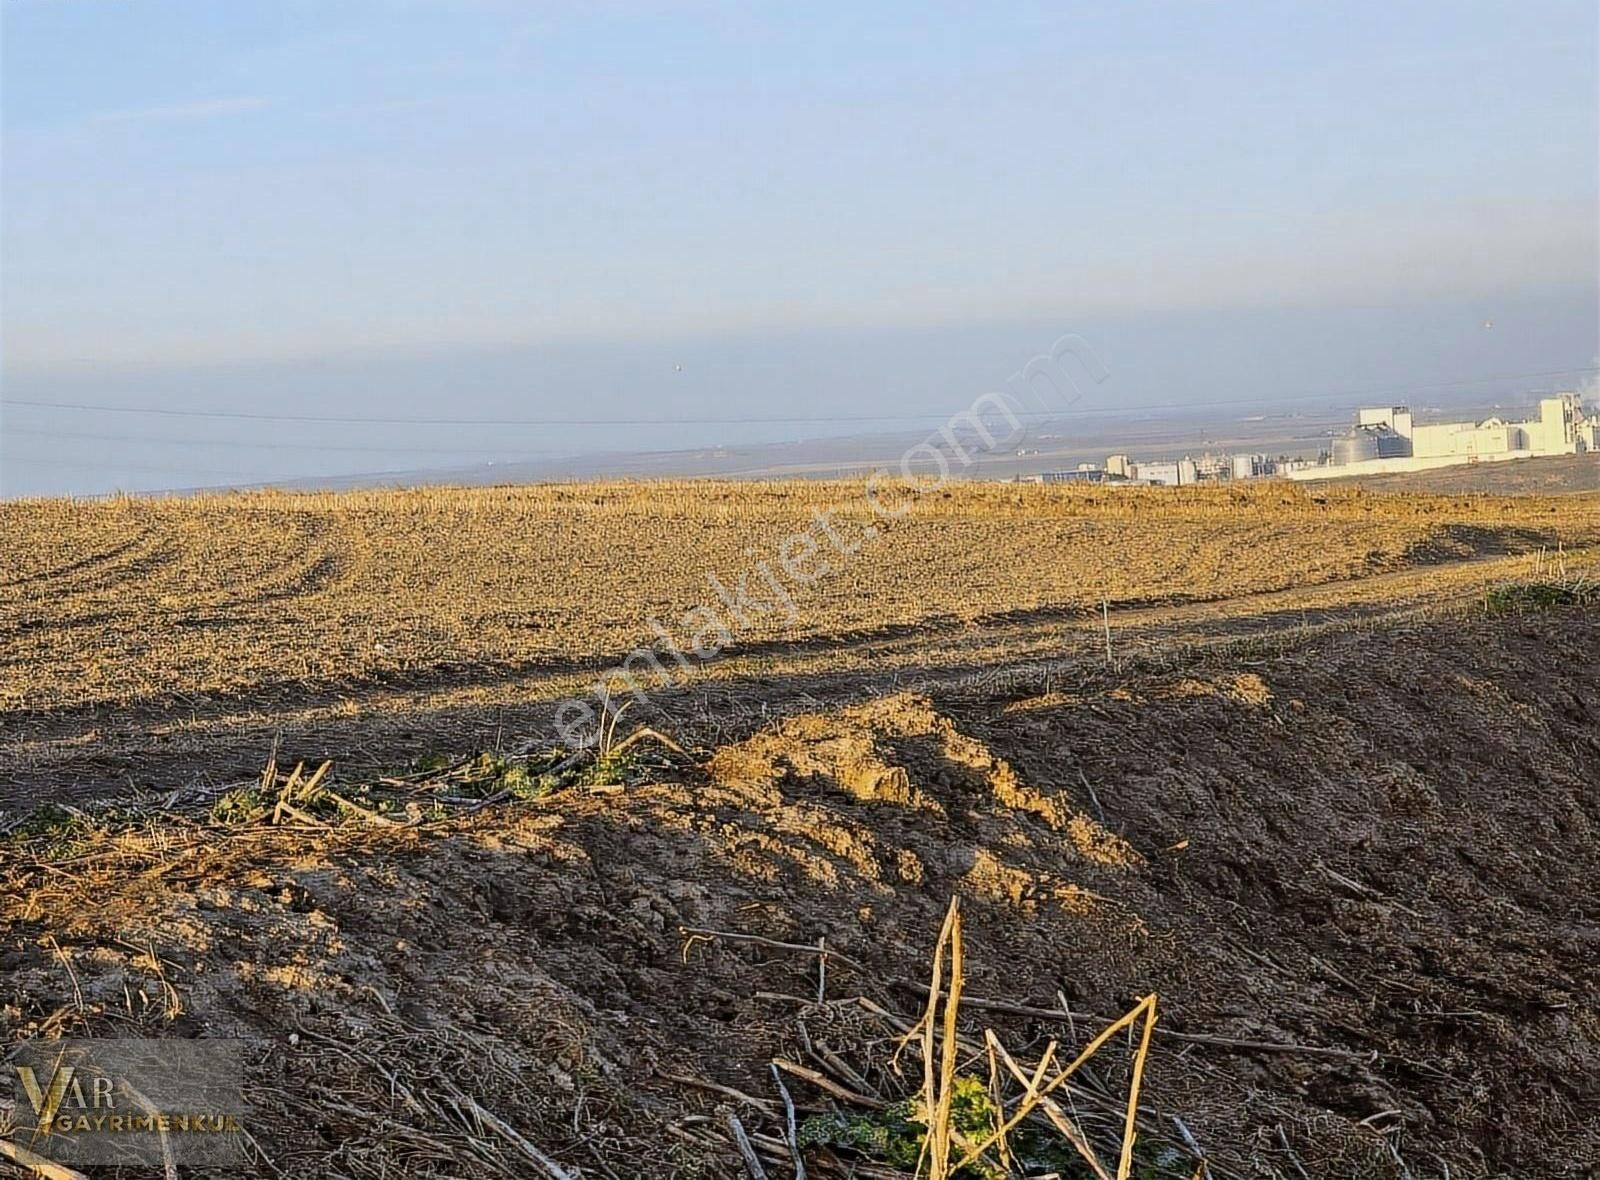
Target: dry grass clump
pixel 976 1110
pixel 1553 583
pixel 939 1037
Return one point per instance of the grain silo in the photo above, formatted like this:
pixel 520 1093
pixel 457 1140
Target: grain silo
pixel 1370 442
pixel 1357 447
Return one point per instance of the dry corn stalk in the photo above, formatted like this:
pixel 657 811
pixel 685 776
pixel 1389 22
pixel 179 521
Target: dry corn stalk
pixel 939 1072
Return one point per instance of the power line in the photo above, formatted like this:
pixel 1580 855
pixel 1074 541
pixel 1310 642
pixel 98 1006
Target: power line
pixel 380 420
pixel 362 420
pixel 160 440
pixel 141 468
pixel 367 420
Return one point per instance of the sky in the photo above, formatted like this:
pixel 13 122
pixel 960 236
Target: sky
pixel 473 209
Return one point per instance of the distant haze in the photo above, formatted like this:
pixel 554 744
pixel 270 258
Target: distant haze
pixel 691 210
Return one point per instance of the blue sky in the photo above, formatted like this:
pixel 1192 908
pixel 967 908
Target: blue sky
pixel 205 201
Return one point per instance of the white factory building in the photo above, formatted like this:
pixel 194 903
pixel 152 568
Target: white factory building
pixel 1387 439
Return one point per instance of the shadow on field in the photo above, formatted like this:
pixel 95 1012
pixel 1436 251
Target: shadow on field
pixel 1458 542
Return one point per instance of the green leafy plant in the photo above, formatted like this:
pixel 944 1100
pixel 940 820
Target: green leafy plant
pixel 242 805
pixel 895 1135
pixel 1541 595
pixel 56 832
pixel 610 768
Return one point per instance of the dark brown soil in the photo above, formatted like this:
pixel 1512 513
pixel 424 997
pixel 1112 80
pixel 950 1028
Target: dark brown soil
pixel 1382 847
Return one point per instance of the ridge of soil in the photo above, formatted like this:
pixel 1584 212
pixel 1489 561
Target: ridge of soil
pixel 1382 846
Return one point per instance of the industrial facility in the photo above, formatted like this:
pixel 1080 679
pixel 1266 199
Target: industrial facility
pixel 1384 439
pixel 1122 471
pixel 1387 439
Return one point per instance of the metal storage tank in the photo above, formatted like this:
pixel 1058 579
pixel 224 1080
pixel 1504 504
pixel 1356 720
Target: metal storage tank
pixel 1355 448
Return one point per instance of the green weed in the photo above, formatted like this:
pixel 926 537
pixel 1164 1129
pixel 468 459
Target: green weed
pixel 54 832
pixel 242 805
pixel 1541 595
pixel 612 768
pixel 895 1135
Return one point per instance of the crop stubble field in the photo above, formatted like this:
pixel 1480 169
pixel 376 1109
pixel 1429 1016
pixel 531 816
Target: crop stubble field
pixel 129 600
pixel 157 643
pixel 1333 812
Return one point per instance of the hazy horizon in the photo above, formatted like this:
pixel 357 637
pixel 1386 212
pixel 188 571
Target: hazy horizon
pixel 692 211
